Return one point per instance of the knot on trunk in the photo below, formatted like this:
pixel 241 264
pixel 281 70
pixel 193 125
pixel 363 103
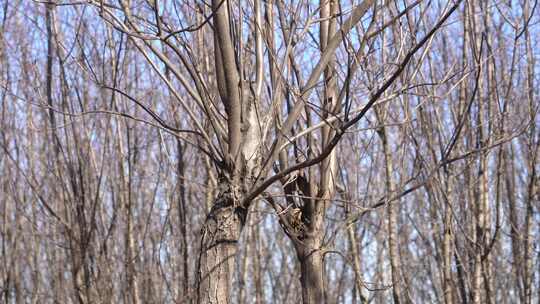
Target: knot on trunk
pixel 294 224
pixel 227 207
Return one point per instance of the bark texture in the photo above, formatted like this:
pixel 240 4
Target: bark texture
pixel 311 272
pixel 218 250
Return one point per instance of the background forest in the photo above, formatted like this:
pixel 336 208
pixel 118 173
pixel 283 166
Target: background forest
pixel 269 151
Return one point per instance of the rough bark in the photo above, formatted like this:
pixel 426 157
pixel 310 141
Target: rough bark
pixel 311 272
pixel 219 245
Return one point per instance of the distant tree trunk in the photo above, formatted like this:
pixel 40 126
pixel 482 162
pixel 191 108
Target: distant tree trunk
pixel 448 245
pixel 182 220
pixel 483 219
pixel 532 175
pixel 259 289
pixel 353 243
pixel 393 247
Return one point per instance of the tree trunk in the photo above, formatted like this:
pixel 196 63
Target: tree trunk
pixel 311 272
pixel 219 245
pixel 353 243
pixel 447 254
pixel 392 224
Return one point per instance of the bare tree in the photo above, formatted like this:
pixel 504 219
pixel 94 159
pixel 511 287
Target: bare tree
pixel 268 151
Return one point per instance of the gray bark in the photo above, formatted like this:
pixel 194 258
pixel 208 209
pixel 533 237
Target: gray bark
pixel 218 250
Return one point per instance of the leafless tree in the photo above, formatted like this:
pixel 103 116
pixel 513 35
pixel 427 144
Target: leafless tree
pixel 269 151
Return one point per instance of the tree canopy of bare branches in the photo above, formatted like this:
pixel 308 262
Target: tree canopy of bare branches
pixel 178 151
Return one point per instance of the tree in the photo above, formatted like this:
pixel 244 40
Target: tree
pixel 393 143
